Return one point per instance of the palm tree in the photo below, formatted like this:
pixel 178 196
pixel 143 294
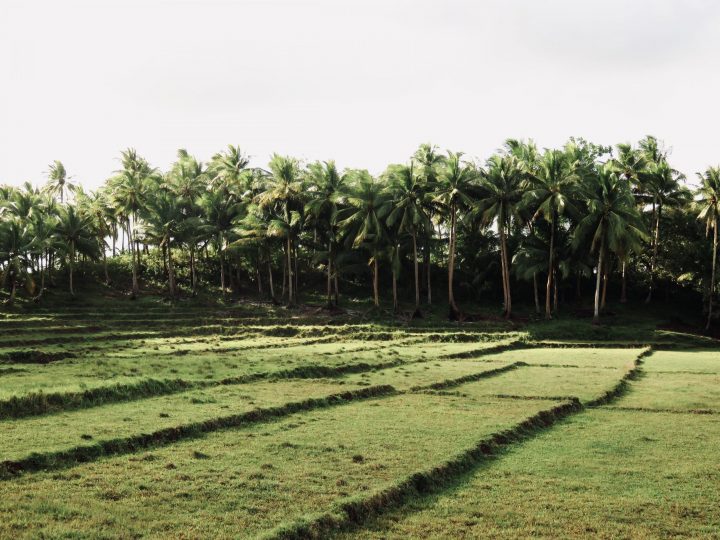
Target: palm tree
pixel 58 180
pixel 429 163
pixel 129 196
pixel 15 248
pixel 165 223
pixel 708 204
pixel 75 232
pixel 228 169
pixel 364 220
pixel 409 211
pixel 611 221
pixel 502 186
pixel 220 215
pixel 663 188
pixel 326 186
pixel 456 189
pixel 550 196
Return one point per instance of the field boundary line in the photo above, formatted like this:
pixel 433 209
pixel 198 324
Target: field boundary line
pixel 623 385
pixel 355 511
pixel 163 437
pixel 450 383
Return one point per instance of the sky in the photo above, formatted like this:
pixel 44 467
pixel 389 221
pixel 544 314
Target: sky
pixel 363 82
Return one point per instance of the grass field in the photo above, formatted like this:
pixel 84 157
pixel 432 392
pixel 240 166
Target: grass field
pixel 148 420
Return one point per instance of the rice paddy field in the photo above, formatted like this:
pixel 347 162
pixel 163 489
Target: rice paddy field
pixel 158 421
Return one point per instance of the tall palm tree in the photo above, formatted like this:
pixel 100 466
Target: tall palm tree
pixel 708 204
pixel 611 221
pixel 228 169
pixel 551 195
pixel 75 232
pixel 456 189
pixel 429 162
pixel 59 181
pixel 284 191
pixel 664 189
pixel 503 182
pixel 15 249
pixel 409 211
pixel 165 223
pixel 130 189
pixel 220 215
pixel 326 186
pixel 364 220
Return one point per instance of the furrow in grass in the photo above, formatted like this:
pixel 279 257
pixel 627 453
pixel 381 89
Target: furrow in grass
pixel 623 384
pixel 664 411
pixel 163 437
pixel 449 383
pixel 476 353
pixel 44 403
pixel 357 511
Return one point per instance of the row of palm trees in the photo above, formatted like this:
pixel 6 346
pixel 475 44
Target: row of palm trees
pixel 580 210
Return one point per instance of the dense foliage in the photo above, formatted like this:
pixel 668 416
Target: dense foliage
pixel 524 218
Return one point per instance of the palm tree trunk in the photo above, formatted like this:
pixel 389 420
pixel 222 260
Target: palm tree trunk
pixel 605 288
pixel 394 291
pixel 193 279
pixel 555 292
pixel 72 263
pixel 417 275
pixel 601 262
pixel 171 272
pixel 655 243
pixel 135 285
pixel 451 265
pixel 536 293
pixel 329 280
pixel 221 256
pixel 270 281
pixel 291 297
pixel 428 265
pixel 712 274
pixel 623 292
pixel 508 305
pixel 376 269
pixel 337 289
pixel 105 268
pixel 548 288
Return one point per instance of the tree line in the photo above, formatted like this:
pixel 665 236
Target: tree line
pixel 543 217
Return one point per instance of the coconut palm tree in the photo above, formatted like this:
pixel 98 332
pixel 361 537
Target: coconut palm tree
pixel 326 185
pixel 364 220
pixel 662 184
pixel 228 169
pixel 15 248
pixel 708 204
pixel 130 191
pixel 429 162
pixel 552 189
pixel 59 181
pixel 409 211
pixel 610 222
pixel 284 191
pixel 164 225
pixel 503 182
pixel 457 187
pixel 75 232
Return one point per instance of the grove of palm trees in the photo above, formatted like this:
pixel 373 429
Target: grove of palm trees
pixel 526 232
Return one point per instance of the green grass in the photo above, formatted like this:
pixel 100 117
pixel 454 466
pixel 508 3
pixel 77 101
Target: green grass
pixel 250 480
pixel 165 421
pixel 601 474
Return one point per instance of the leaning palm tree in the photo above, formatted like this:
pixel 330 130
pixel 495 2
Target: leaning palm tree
pixel 708 204
pixel 409 212
pixel 364 220
pixel 551 195
pixel 610 223
pixel 503 181
pixel 456 190
pixel 59 181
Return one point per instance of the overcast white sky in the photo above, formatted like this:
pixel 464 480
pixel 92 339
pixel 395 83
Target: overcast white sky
pixel 361 81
